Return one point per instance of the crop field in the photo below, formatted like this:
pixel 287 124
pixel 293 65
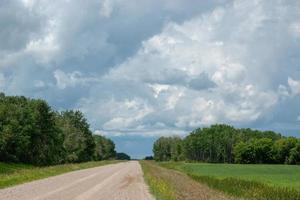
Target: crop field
pixel 274 175
pixel 249 181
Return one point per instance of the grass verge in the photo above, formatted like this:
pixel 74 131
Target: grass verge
pixel 167 184
pixel 14 174
pixel 159 187
pixel 235 186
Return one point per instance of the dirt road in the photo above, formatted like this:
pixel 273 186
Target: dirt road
pixel 122 181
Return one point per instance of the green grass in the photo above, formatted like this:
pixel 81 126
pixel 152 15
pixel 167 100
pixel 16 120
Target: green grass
pixel 266 182
pixel 273 175
pixel 13 174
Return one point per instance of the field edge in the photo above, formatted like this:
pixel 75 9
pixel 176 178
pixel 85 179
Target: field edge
pixel 159 188
pixel 241 188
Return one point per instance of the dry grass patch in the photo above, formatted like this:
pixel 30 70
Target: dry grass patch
pixel 167 184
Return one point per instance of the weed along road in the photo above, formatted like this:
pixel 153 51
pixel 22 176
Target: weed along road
pixel 122 181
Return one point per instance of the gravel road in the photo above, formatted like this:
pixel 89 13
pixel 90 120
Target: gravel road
pixel 122 181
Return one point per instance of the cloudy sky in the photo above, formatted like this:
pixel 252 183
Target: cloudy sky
pixel 142 69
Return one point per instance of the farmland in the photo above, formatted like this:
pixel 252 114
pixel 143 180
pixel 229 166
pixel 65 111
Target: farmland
pixel 273 175
pixel 248 181
pixel 244 163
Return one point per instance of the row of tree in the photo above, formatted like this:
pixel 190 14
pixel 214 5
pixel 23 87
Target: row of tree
pixel 31 132
pixel 225 144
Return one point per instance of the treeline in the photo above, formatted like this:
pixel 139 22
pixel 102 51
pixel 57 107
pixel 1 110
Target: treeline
pixel 226 144
pixel 31 132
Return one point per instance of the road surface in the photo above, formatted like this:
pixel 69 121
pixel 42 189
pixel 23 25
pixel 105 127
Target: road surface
pixel 122 181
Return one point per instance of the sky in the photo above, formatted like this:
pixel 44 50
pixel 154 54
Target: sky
pixel 143 69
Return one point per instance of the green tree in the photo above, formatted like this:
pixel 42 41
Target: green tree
pixel 222 143
pixel 122 156
pixel 28 132
pixel 46 138
pixel 213 144
pixel 263 150
pixel 244 153
pixel 31 132
pixel 294 157
pixel 78 139
pixel 105 148
pixel 162 149
pixel 282 148
pixel 176 148
pixel 195 146
pixel 168 148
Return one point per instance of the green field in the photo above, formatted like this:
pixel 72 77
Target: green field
pixel 249 181
pixel 274 175
pixel 13 174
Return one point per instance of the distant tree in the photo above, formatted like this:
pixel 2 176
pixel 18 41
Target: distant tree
pixel 294 157
pixel 122 156
pixel 282 149
pixel 254 151
pixel 271 135
pixel 149 158
pixel 214 144
pixel 15 126
pixel 195 147
pixel 31 132
pixel 168 148
pixel 162 149
pixel 176 148
pixel 28 132
pixel 248 134
pixel 78 139
pixel 244 153
pixel 46 138
pixel 105 148
pixel 222 143
pixel 263 150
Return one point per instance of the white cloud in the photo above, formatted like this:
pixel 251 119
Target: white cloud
pixel 158 88
pixel 196 47
pixel 119 115
pixel 142 132
pixel 155 67
pixel 174 97
pixel 294 85
pixel 295 29
pixel 76 78
pixel 283 91
pixel 43 49
pixel 39 84
pixel 106 8
pixel 29 3
pixel 168 95
pixel 130 112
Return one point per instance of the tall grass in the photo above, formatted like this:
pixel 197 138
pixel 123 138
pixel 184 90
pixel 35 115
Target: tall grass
pixel 13 174
pixel 249 189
